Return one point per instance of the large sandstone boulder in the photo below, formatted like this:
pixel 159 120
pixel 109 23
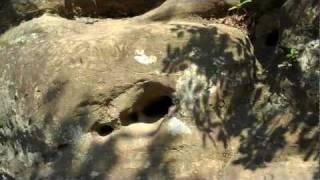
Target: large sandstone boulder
pixel 121 99
pixel 80 83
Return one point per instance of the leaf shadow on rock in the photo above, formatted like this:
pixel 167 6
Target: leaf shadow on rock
pixel 260 145
pixel 101 158
pixel 156 165
pixel 62 153
pixel 290 82
pixel 261 138
pixel 204 49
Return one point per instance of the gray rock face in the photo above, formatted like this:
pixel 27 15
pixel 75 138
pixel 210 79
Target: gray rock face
pixel 309 64
pixel 301 23
pixel 292 25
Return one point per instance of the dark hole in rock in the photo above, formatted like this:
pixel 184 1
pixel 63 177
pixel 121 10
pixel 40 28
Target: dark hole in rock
pixel 50 155
pixel 62 147
pixel 150 106
pixel 151 112
pixel 158 107
pixel 272 38
pixel 134 117
pixel 102 129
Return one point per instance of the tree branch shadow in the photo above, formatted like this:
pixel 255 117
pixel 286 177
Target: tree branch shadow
pixel 265 137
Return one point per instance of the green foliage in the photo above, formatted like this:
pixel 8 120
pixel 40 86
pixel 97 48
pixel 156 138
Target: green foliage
pixel 293 54
pixel 290 56
pixel 240 5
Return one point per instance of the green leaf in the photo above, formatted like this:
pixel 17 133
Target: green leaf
pixel 240 5
pixel 233 8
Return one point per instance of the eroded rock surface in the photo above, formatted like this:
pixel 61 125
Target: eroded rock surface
pixel 127 99
pixel 71 89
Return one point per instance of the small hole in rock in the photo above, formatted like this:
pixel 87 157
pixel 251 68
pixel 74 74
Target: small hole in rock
pixel 134 117
pixel 104 129
pixel 272 38
pixel 62 146
pixel 158 107
pixel 150 104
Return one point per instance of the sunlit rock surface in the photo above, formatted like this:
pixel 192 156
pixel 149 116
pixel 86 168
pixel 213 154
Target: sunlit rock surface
pixel 125 99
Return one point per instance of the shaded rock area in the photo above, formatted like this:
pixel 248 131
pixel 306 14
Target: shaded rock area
pixel 166 94
pixel 283 39
pixel 109 8
pixel 12 12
